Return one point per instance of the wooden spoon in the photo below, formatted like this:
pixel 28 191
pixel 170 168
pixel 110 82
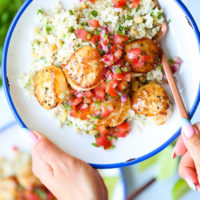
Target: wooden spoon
pixel 185 121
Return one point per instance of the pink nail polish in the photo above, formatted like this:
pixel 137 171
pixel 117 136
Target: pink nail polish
pixel 187 128
pixel 191 184
pixel 32 137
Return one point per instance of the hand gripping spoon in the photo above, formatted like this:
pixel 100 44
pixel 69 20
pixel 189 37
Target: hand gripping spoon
pixel 185 120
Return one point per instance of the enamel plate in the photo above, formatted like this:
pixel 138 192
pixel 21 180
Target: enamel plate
pixel 182 40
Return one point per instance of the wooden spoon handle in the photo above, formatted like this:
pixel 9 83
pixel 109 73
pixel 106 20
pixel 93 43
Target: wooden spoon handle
pixel 173 86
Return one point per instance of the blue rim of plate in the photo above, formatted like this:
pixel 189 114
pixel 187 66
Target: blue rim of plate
pixel 98 166
pixel 121 170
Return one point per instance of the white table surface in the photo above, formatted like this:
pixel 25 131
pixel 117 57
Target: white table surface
pixel 158 190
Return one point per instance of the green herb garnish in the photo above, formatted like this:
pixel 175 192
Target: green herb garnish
pixel 95 144
pixel 39 12
pixel 71 12
pixel 94 13
pixel 138 8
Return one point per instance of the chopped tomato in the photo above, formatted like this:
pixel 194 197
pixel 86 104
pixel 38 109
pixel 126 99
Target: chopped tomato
pixel 111 89
pixel 76 101
pixel 145 58
pixel 102 129
pixel 127 77
pixel 33 196
pixel 87 94
pixel 138 63
pixel 103 140
pixel 83 34
pixel 135 3
pixel 99 92
pixel 84 114
pixel 73 112
pixel 93 23
pixel 105 112
pixel 95 39
pixel 117 54
pixel 83 106
pixel 118 76
pixel 122 85
pixel 50 196
pixel 122 76
pixel 118 3
pixel 122 130
pixel 108 59
pixel 92 1
pixel 113 49
pixel 134 53
pixel 118 39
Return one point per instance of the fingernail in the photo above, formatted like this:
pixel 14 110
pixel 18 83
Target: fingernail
pixel 191 184
pixel 187 128
pixel 198 188
pixel 32 137
pixel 174 154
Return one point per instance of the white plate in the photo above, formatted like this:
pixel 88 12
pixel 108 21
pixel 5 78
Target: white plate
pixel 12 136
pixel 182 40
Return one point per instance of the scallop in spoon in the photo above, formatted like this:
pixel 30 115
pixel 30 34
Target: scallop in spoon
pixel 185 121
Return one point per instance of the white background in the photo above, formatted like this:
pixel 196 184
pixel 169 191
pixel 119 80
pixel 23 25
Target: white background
pixel 157 190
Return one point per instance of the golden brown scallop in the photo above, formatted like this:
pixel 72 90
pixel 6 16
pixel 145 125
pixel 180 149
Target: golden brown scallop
pixel 84 69
pixel 50 87
pixel 8 188
pixel 147 48
pixel 119 115
pixel 152 102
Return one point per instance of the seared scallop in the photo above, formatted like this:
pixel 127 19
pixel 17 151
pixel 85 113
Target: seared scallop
pixel 151 101
pixel 119 115
pixel 50 87
pixel 26 177
pixel 148 49
pixel 8 188
pixel 84 69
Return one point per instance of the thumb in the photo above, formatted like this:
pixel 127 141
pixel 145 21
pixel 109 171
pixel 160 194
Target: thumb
pixel 192 144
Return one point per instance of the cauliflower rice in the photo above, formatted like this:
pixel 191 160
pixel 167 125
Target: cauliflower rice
pixel 54 40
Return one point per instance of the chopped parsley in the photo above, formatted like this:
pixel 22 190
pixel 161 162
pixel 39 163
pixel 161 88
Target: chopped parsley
pixel 112 147
pixel 152 14
pixel 121 28
pixel 171 61
pixel 39 12
pixel 99 116
pixel 67 107
pixel 71 12
pixel 118 71
pixel 110 138
pixel 101 51
pixel 168 21
pixel 159 15
pixel 93 118
pixel 94 13
pixel 41 193
pixel 97 104
pixel 124 69
pixel 138 8
pixel 70 29
pixel 89 36
pixel 48 28
pixel 129 17
pixel 95 144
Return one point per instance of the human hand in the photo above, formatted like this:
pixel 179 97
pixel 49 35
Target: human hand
pixel 65 176
pixel 189 149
